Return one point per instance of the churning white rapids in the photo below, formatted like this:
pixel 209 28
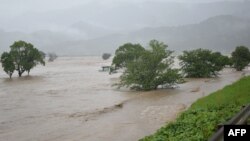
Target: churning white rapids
pixel 71 100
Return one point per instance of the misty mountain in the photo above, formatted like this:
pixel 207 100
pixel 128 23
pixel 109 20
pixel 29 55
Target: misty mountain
pixel 90 31
pixel 40 39
pixel 124 15
pixel 219 33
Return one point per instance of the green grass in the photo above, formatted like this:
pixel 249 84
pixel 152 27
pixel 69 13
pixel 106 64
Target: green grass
pixel 200 121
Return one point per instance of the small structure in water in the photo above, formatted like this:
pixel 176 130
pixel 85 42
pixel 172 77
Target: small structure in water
pixel 109 69
pixel 106 68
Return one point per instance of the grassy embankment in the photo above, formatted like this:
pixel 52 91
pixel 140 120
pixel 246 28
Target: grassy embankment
pixel 199 122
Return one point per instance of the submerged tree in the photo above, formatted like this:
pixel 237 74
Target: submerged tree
pixel 202 63
pixel 106 56
pixel 7 63
pixel 147 69
pixel 23 56
pixel 52 57
pixel 240 58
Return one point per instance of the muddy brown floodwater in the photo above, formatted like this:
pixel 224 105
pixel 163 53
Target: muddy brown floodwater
pixel 70 100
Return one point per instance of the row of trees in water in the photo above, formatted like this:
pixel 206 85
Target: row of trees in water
pixel 22 57
pixel 146 69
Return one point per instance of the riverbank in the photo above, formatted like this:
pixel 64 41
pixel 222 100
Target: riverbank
pixel 69 99
pixel 200 121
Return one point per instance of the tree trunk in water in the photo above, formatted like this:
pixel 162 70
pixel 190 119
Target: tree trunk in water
pixel 28 73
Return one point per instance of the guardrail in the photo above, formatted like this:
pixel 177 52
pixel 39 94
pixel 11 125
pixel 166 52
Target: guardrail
pixel 239 119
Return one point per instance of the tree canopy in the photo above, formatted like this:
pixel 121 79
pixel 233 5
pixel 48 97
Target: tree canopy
pixel 202 63
pixel 126 53
pixel 240 58
pixel 22 57
pixel 147 69
pixel 7 63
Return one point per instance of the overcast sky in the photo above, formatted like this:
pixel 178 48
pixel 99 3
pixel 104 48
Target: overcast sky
pixel 35 12
pixel 16 7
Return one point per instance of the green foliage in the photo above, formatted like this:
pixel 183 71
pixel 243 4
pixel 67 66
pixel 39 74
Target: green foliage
pixel 202 63
pixel 200 121
pixel 32 58
pixel 23 56
pixel 7 63
pixel 240 57
pixel 126 53
pixel 237 92
pixel 147 69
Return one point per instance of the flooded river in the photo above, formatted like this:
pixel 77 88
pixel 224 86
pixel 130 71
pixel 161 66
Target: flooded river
pixel 71 100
